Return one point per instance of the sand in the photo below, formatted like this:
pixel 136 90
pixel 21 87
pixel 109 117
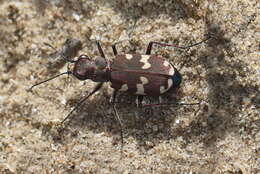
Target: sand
pixel 221 135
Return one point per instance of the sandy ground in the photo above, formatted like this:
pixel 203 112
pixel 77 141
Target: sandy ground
pixel 221 135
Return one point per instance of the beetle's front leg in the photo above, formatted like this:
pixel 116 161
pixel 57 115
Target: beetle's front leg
pixel 101 52
pixel 97 87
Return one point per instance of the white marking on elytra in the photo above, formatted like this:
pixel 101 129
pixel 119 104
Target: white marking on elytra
pixel 140 86
pixel 171 71
pixel 163 89
pixel 128 56
pixel 166 63
pixel 124 87
pixel 144 59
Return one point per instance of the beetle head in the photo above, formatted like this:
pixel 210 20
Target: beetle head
pixel 84 68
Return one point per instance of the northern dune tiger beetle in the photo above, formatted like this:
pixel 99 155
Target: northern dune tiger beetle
pixel 138 74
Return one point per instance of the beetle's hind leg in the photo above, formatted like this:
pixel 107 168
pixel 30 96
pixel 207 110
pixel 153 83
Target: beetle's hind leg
pixel 160 99
pixel 139 101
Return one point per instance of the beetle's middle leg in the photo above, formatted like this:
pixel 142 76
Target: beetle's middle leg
pixel 114 46
pixel 129 36
pixel 150 45
pixel 112 100
pixel 114 49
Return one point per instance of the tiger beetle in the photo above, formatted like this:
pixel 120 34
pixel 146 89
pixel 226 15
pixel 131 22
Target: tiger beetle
pixel 138 74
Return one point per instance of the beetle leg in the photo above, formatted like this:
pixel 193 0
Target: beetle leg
pixel 113 96
pixel 114 49
pixel 113 99
pixel 139 101
pixel 114 46
pixel 174 103
pixel 129 36
pixel 103 54
pixel 150 45
pixel 160 99
pixel 100 49
pixel 97 87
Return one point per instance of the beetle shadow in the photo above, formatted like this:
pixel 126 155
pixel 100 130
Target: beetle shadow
pixel 146 125
pixel 220 116
pixel 150 126
pixel 177 10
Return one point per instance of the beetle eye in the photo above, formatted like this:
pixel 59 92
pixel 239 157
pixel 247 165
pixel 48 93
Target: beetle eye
pixel 83 56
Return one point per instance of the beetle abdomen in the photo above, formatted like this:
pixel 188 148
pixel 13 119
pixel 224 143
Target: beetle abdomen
pixel 140 84
pixel 143 74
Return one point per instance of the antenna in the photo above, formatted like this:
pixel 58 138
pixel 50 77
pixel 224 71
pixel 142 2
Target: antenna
pixel 68 72
pixel 177 104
